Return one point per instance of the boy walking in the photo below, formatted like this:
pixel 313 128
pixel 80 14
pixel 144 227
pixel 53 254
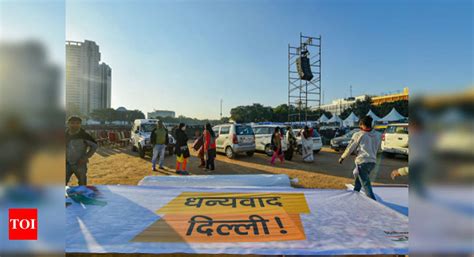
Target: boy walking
pixel 367 143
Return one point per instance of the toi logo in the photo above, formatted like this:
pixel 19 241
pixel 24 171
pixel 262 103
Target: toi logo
pixel 22 224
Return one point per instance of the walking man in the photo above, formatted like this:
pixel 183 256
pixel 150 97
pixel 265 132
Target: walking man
pixel 80 146
pixel 367 143
pixel 159 139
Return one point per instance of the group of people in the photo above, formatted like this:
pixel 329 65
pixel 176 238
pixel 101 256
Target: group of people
pixel 204 145
pixel 80 146
pixel 366 143
pixel 291 142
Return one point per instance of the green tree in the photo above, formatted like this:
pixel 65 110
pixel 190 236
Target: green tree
pixel 344 114
pixel 104 115
pixel 383 109
pixel 362 107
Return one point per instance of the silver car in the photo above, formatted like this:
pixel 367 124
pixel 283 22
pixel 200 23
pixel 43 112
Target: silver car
pixel 234 138
pixel 263 138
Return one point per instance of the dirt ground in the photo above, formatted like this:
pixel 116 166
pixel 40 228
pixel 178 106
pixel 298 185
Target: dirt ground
pixel 114 166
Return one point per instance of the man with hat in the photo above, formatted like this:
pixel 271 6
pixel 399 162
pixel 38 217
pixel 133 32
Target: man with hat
pixel 80 146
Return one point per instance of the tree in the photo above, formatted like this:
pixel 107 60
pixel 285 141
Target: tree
pixel 344 114
pixel 361 108
pixel 384 108
pixel 104 115
pixel 280 113
pixel 251 113
pixel 133 115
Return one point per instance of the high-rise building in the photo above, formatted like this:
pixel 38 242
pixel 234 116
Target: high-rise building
pixel 105 85
pixel 86 78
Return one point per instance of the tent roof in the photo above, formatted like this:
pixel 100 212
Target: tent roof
pixel 335 118
pixel 393 115
pixel 323 118
pixel 352 117
pixel 350 120
pixel 373 115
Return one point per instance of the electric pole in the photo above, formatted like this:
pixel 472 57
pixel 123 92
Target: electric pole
pixel 221 108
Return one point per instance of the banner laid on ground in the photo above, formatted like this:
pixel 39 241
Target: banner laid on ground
pixel 142 219
pixel 214 181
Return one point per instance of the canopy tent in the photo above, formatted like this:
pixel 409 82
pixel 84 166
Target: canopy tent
pixel 393 115
pixel 373 115
pixel 323 119
pixel 351 120
pixel 265 221
pixel 335 119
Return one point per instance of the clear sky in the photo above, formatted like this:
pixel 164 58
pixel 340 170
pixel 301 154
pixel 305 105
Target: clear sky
pixel 187 55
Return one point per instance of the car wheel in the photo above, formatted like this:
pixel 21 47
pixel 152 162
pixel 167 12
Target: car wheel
pixel 316 151
pixel 134 148
pixel 171 151
pixel 141 151
pixel 250 154
pixel 229 152
pixel 269 150
pixel 388 154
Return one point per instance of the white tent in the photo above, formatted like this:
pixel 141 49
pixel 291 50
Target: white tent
pixel 335 118
pixel 393 115
pixel 323 119
pixel 351 120
pixel 373 115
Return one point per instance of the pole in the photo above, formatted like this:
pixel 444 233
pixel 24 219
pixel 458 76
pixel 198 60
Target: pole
pixel 221 108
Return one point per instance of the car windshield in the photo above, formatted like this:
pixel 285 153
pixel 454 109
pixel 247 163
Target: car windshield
pixel 147 127
pixel 243 130
pixel 350 133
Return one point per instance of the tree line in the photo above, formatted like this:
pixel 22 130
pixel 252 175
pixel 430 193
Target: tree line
pixel 362 107
pixel 259 113
pixel 190 121
pixel 108 115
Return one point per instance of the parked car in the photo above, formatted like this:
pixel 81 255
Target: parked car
pixel 340 143
pixel 263 138
pixel 140 137
pixel 395 139
pixel 233 139
pixel 317 142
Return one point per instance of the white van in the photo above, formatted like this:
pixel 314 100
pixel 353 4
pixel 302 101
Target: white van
pixel 232 139
pixel 395 139
pixel 263 138
pixel 140 137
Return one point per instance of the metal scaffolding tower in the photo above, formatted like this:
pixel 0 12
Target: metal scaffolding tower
pixel 303 94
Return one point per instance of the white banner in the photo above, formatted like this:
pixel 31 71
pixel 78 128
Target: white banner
pixel 143 219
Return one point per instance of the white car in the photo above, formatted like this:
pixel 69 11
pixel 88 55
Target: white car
pixel 263 138
pixel 317 142
pixel 395 139
pixel 234 138
pixel 140 137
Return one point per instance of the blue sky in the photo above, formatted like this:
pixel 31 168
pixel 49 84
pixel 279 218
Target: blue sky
pixel 187 55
